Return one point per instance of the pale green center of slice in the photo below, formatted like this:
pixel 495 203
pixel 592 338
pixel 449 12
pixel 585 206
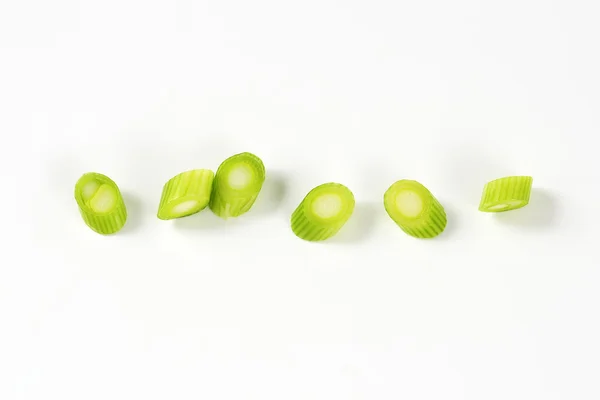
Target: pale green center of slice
pixel 502 206
pixel 185 207
pixel 327 205
pixel 104 200
pixel 89 189
pixel 239 177
pixel 409 203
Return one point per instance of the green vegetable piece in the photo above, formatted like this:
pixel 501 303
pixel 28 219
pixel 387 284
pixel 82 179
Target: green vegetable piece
pixel 323 212
pixel 100 203
pixel 414 209
pixel 505 194
pixel 237 183
pixel 185 194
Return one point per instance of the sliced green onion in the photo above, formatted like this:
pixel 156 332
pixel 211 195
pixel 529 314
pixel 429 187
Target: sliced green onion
pixel 323 212
pixel 414 209
pixel 185 194
pixel 238 182
pixel 505 194
pixel 100 203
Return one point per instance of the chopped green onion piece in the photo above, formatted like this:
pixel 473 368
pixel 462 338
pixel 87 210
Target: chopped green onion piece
pixel 505 194
pixel 323 212
pixel 100 203
pixel 238 182
pixel 185 194
pixel 414 209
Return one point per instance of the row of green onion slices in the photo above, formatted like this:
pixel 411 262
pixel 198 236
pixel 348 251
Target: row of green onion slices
pixel 233 189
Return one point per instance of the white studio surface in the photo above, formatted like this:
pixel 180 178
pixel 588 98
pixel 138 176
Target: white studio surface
pixel 364 93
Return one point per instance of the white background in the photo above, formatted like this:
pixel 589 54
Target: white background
pixel 450 93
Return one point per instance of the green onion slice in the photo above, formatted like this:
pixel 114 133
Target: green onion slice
pixel 237 183
pixel 185 194
pixel 323 212
pixel 100 203
pixel 414 209
pixel 505 194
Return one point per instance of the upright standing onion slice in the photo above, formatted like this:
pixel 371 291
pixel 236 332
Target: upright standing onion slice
pixel 100 203
pixel 414 209
pixel 237 183
pixel 185 194
pixel 505 194
pixel 323 212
